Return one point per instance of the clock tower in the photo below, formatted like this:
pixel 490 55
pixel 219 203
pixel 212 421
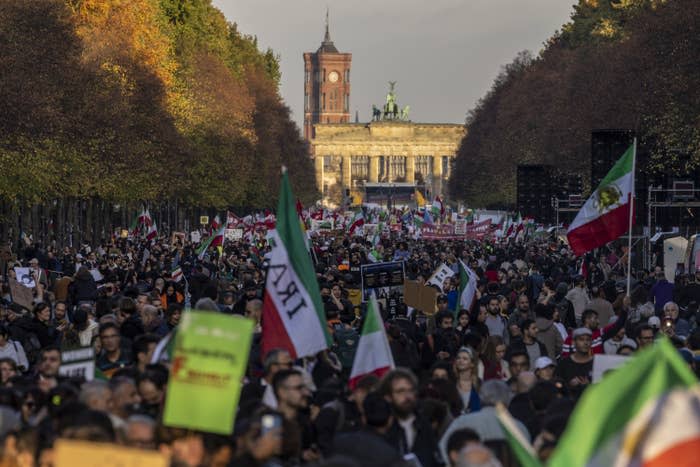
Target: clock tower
pixel 326 85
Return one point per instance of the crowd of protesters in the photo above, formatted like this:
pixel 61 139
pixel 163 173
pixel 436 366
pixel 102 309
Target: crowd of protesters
pixel 527 342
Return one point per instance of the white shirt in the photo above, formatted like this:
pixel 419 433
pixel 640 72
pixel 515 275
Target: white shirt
pixel 409 431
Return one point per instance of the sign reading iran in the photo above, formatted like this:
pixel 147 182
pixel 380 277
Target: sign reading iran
pixel 293 315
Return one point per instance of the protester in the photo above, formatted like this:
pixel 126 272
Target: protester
pixel 527 341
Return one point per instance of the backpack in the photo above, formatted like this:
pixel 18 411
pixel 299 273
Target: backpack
pixel 346 342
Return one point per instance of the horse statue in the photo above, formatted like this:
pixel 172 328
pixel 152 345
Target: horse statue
pixel 404 113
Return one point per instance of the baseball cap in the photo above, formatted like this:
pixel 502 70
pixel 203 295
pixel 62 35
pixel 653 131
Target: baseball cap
pixel 654 322
pixel 543 362
pixel 582 332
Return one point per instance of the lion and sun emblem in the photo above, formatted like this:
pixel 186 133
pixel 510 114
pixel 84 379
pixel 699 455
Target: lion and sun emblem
pixel 608 197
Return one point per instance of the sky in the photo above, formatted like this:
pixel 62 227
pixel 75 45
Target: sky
pixel 444 54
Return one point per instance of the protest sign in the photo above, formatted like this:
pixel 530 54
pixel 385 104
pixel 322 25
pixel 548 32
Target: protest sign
pixel 420 297
pixel 178 237
pixel 440 275
pixel 195 236
pixel 25 277
pixel 209 361
pixel 604 363
pixel 460 226
pixel 21 295
pixel 233 234
pixel 72 453
pixel 384 278
pixel 78 363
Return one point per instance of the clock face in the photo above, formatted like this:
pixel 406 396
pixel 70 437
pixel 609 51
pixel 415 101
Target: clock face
pixel 333 76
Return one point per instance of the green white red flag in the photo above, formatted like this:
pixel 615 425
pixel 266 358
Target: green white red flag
pixel 468 282
pixel 293 314
pixel 606 214
pixel 358 221
pixel 645 413
pixel 216 239
pixel 373 356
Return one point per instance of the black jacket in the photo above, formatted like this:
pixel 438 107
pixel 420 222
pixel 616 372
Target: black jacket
pixel 424 445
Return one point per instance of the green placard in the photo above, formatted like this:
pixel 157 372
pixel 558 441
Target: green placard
pixel 209 362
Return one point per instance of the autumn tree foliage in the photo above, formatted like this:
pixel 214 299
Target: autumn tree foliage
pixel 624 64
pixel 140 100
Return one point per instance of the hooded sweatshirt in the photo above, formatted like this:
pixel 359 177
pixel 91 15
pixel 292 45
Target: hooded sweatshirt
pixel 549 336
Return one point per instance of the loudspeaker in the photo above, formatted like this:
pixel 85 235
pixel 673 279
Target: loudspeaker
pixel 607 146
pixel 534 192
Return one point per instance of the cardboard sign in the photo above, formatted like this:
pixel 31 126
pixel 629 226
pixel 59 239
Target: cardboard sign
pixel 71 453
pixel 25 276
pixel 21 295
pixel 420 297
pixel 209 362
pixel 78 363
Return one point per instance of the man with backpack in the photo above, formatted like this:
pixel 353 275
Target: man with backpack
pixel 346 340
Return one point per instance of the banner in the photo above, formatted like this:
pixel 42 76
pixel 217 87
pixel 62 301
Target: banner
pixel 78 363
pixel 209 362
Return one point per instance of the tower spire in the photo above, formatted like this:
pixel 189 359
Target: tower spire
pixel 327 37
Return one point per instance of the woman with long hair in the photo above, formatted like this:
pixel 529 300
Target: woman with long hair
pixel 467 379
pixel 494 365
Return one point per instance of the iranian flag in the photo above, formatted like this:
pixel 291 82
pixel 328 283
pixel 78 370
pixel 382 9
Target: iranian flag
pixel 358 220
pixel 373 356
pixel 438 208
pixel 152 231
pixel 647 414
pixel 293 316
pixel 607 213
pixel 468 281
pixel 216 239
pixel 176 274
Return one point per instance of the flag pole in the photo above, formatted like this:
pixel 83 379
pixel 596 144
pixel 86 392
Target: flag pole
pixel 629 232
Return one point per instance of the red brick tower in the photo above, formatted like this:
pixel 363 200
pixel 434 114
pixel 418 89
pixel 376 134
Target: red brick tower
pixel 326 85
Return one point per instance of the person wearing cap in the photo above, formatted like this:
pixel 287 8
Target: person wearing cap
pixel 544 368
pixel 576 369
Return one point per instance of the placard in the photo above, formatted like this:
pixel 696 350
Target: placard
pixel 72 453
pixel 209 362
pixel 603 363
pixel 203 220
pixel 460 226
pixel 78 363
pixel 420 297
pixel 195 236
pixel 178 237
pixel 25 276
pixel 21 295
pixel 233 234
pixel 386 280
pixel 442 273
